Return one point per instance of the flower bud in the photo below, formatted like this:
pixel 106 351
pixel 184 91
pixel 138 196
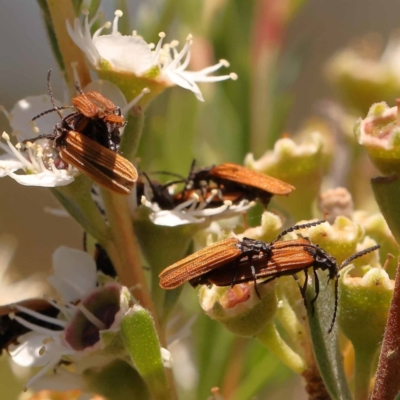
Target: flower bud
pixel 339 239
pixel 335 202
pixel 377 228
pixel 363 306
pixel 379 133
pixel 239 308
pixel 362 77
pixel 271 226
pixel 298 164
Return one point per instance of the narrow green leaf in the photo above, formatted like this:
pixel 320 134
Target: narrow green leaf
pixel 326 347
pixel 141 341
pixel 76 199
pixel 387 193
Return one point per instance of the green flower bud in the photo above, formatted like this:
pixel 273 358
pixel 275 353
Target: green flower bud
pixel 363 306
pixel 363 310
pixel 339 239
pixel 361 77
pixel 379 133
pixel 239 308
pixel 298 164
pixel 271 226
pixel 376 227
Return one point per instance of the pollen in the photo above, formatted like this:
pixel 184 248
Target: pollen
pixel 34 127
pixel 42 350
pixel 5 136
pixel 233 76
pixel 118 13
pixel 161 35
pixel 195 196
pixel 224 63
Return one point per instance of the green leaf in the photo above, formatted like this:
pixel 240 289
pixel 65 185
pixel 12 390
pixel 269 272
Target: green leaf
pixel 326 347
pixel 387 193
pixel 142 344
pixel 76 199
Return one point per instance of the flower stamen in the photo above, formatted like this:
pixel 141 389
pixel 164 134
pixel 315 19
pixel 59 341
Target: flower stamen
pixel 91 317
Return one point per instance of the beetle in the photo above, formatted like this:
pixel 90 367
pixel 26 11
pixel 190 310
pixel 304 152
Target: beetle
pixel 96 117
pixel 88 139
pixel 235 183
pixel 230 261
pixel 219 254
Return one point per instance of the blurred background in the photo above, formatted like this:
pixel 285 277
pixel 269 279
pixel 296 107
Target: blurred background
pixel 224 128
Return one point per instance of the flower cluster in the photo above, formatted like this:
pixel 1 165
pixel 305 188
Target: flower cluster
pixel 112 326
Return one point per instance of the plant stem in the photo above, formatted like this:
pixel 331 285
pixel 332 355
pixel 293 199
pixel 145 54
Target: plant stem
pixel 387 379
pixel 271 339
pixel 123 248
pixel 60 12
pixel 124 251
pixel 362 373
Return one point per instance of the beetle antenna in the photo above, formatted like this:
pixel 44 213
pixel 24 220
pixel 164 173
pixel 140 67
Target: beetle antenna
pixel 50 92
pixel 298 227
pixel 336 304
pixel 50 111
pixel 78 88
pixel 357 255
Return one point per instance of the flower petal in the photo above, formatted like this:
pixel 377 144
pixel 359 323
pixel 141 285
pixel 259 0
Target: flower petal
pixel 125 53
pixel 24 110
pixel 68 264
pixel 44 179
pixel 173 218
pixel 30 352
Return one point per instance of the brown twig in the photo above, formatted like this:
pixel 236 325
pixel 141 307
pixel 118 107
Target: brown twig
pixel 387 380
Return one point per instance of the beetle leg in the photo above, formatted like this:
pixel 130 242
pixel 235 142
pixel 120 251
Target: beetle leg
pixel 316 284
pixel 253 272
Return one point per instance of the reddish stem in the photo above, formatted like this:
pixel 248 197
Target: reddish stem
pixel 387 380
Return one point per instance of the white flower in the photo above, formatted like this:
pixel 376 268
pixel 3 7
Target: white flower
pixel 35 165
pixel 131 54
pixel 85 313
pixel 193 211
